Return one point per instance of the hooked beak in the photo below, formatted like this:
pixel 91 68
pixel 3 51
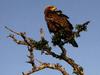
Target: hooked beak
pixel 53 8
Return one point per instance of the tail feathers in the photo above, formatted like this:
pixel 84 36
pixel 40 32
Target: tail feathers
pixel 73 42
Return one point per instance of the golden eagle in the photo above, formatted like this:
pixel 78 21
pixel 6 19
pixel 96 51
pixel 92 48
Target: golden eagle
pixel 57 21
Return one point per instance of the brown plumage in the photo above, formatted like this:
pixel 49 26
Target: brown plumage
pixel 57 21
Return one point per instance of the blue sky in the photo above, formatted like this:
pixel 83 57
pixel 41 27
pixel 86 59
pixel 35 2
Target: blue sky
pixel 28 16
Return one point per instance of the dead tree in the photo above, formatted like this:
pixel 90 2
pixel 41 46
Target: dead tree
pixel 43 46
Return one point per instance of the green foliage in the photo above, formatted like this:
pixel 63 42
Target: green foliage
pixel 42 45
pixel 81 27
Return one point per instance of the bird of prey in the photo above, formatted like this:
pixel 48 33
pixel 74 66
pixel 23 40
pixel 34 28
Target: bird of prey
pixel 57 21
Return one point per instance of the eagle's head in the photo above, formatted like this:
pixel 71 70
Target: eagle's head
pixel 50 8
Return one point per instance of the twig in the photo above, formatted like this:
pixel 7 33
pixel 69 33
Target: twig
pixel 31 57
pixel 42 33
pixel 12 30
pixel 21 42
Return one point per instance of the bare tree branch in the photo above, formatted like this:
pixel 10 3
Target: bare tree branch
pixel 47 65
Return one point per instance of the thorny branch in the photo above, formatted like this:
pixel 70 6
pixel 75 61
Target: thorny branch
pixel 44 47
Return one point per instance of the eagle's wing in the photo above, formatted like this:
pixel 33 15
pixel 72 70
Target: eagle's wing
pixel 59 12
